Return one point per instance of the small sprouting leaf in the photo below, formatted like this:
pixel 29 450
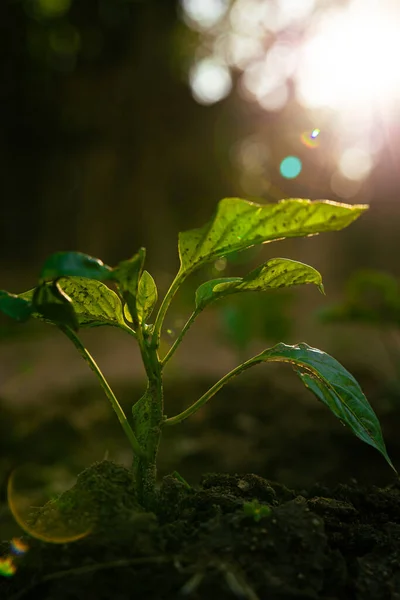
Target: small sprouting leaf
pixel 94 303
pixel 74 264
pixel 334 386
pixel 256 509
pixel 146 296
pixel 14 306
pixel 127 314
pixel 239 224
pixel 52 304
pixel 275 273
pixel 127 274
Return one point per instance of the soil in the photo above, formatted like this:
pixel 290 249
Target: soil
pixel 213 542
pixel 220 535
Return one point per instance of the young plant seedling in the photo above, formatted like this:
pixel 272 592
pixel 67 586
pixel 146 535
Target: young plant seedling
pixel 71 295
pixel 256 509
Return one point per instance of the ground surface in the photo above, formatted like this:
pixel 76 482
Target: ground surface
pixel 333 530
pixel 208 543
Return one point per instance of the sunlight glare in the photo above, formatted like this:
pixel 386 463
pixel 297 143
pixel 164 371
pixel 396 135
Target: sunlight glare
pixel 355 163
pixel 252 17
pixel 248 17
pixel 290 12
pixel 282 58
pixel 350 57
pixel 259 80
pixel 343 187
pixel 204 13
pixel 266 80
pixel 243 49
pixel 276 99
pixel 210 81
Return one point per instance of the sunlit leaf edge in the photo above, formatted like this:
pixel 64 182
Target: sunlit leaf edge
pixel 278 268
pixel 197 246
pixel 284 353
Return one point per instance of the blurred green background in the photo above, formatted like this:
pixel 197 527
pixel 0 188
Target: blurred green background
pixel 124 122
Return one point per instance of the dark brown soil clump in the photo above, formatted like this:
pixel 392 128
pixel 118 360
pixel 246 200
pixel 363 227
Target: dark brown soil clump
pixel 214 542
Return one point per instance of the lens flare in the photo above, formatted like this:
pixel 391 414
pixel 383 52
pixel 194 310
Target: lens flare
pixel 52 524
pixel 311 139
pixel 7 567
pixel 18 547
pixel 290 167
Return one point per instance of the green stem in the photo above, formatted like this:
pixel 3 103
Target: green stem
pixel 165 305
pixel 126 328
pixel 147 416
pixel 210 393
pixel 104 384
pixel 178 340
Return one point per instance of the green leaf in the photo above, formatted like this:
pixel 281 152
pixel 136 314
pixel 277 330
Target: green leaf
pixel 52 304
pixel 239 224
pixel 275 273
pixel 74 264
pixel 14 306
pixel 127 274
pixel 146 296
pixel 94 303
pixel 206 293
pixel 334 386
pixel 127 314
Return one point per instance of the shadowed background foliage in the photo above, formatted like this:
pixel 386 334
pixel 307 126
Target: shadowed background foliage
pixel 105 149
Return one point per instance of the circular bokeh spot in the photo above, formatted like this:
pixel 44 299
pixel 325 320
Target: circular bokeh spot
pixel 290 167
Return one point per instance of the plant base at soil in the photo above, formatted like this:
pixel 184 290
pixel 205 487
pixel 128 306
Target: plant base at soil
pixel 342 543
